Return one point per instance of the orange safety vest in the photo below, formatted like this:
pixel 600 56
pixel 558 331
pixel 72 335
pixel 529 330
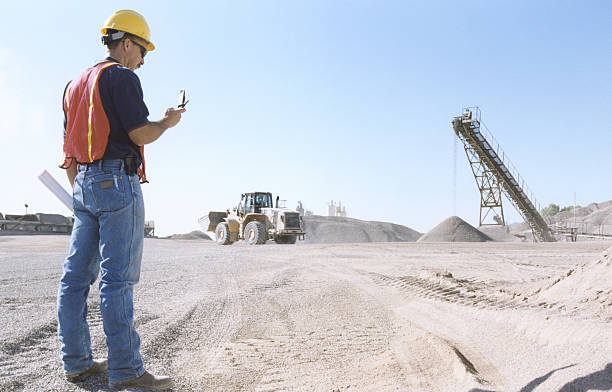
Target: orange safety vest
pixel 87 127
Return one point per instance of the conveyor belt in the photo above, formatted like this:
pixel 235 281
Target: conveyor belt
pixel 494 174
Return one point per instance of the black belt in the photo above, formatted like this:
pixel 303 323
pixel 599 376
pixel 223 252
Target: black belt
pixel 128 164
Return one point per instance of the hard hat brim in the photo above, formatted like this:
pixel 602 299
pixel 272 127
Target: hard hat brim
pixel 150 47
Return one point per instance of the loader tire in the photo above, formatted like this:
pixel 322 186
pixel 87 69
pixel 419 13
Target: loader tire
pixel 223 234
pixel 255 233
pixel 286 239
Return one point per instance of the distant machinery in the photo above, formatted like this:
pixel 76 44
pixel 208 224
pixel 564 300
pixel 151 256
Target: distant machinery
pixel 256 219
pixel 303 212
pixel 336 210
pixel 494 174
pixel 149 228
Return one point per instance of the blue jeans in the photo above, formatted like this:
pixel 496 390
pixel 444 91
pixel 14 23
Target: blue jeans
pixel 107 238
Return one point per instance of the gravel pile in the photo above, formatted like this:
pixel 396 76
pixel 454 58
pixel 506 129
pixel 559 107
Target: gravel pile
pixel 194 235
pixel 332 229
pixel 455 229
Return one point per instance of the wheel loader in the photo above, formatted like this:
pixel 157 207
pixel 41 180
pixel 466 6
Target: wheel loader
pixel 255 220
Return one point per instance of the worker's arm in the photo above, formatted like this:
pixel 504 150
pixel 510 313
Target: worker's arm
pixel 153 130
pixel 71 172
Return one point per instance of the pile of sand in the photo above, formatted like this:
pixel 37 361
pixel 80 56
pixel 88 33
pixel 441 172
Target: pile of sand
pixel 194 235
pixel 455 229
pixel 332 229
pixel 586 288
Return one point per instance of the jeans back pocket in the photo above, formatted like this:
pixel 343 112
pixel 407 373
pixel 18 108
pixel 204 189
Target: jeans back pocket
pixel 108 191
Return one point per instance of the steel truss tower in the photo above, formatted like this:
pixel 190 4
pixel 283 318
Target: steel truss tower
pixel 491 208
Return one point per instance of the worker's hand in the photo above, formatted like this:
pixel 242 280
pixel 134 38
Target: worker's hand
pixel 172 117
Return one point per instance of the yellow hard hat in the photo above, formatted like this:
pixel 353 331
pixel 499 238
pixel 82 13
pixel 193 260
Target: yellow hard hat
pixel 130 22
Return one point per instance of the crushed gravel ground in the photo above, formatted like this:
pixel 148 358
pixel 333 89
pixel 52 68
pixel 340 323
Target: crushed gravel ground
pixel 332 317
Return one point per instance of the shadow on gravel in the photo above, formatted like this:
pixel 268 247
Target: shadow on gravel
pixel 532 385
pixel 95 383
pixel 597 381
pixel 99 383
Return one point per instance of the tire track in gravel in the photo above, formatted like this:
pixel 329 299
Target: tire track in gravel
pixel 291 340
pixel 96 324
pixel 20 304
pixel 94 317
pixel 34 348
pixel 425 353
pixel 465 292
pixel 414 357
pixel 195 339
pixel 234 368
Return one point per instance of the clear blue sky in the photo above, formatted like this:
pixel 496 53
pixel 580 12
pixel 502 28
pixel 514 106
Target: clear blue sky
pixel 321 100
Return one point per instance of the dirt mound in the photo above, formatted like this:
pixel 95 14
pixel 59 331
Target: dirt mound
pixel 332 229
pixel 587 287
pixel 595 218
pixel 594 213
pixel 455 229
pixel 194 235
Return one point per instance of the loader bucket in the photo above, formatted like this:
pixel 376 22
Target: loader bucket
pixel 209 222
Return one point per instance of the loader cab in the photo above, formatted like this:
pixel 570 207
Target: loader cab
pixel 253 202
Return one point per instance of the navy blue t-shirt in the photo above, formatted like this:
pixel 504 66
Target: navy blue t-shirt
pixel 122 99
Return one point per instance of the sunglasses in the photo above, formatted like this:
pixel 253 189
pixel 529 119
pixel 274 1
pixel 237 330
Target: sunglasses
pixel 143 50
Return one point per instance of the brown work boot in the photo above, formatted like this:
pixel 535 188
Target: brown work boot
pixel 147 381
pixel 97 367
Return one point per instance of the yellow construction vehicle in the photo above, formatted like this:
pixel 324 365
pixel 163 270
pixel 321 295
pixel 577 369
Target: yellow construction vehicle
pixel 256 220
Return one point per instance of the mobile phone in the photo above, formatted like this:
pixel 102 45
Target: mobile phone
pixel 182 101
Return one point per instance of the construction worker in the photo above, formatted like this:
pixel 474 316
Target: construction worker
pixel 105 129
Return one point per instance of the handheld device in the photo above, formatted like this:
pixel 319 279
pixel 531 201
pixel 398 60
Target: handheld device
pixel 182 101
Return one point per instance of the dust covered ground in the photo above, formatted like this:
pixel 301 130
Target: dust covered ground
pixel 333 317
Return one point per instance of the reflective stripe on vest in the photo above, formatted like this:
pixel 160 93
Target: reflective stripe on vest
pixel 67 97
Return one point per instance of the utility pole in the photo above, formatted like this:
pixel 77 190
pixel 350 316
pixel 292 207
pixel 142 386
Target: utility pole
pixel 574 209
